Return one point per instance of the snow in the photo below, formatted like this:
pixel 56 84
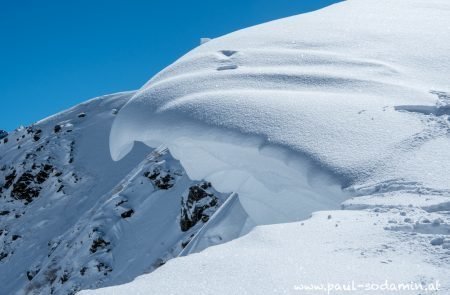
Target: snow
pixel 287 113
pixel 80 220
pixel 228 223
pixel 429 202
pixel 346 107
pixel 204 40
pixel 351 246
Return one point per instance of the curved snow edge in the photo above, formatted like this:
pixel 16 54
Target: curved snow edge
pixel 273 184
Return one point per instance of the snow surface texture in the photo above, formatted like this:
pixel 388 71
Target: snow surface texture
pixel 294 116
pixel 289 112
pixel 334 247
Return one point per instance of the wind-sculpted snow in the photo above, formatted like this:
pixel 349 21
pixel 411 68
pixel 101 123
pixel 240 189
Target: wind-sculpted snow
pixel 288 112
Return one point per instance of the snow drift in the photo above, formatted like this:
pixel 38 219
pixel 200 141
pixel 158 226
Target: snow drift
pixel 289 112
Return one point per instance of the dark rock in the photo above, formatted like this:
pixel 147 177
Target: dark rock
pixel 9 179
pixel 64 278
pixel 3 255
pixel 97 244
pixel 164 182
pixel 160 179
pixel 3 134
pixel 83 270
pixel 27 185
pixel 57 128
pixel 102 267
pixel 127 213
pixel 196 193
pixel 25 188
pixel 61 187
pixel 42 176
pixel 152 175
pixel 187 241
pixel 121 202
pixel 81 115
pixel 48 167
pixel 32 273
pixel 4 212
pixel 15 237
pixel 195 206
pixel 206 185
pixel 37 135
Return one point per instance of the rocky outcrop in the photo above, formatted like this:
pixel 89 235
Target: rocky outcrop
pixel 3 134
pixel 28 185
pixel 160 178
pixel 98 244
pixel 198 205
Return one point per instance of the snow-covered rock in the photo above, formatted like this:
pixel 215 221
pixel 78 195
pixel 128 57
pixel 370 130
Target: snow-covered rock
pixel 71 218
pixel 3 134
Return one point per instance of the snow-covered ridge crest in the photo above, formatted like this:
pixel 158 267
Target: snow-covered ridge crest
pixel 268 111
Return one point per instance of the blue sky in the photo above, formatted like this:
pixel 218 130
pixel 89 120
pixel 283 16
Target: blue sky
pixel 55 54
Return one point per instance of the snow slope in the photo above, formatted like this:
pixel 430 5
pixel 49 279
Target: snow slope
pixel 331 250
pixel 71 218
pixel 296 115
pixel 288 112
pixel 347 107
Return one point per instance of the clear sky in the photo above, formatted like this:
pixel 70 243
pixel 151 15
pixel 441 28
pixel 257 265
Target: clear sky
pixel 55 54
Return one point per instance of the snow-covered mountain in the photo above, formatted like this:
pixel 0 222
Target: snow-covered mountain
pixel 71 218
pixel 314 149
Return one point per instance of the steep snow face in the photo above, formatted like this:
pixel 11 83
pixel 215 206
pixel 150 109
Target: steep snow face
pixel 355 94
pixel 71 218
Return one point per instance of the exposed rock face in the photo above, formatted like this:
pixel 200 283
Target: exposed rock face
pixel 198 205
pixel 9 179
pixel 98 243
pixel 3 134
pixel 161 179
pixel 127 214
pixel 28 185
pixel 57 128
